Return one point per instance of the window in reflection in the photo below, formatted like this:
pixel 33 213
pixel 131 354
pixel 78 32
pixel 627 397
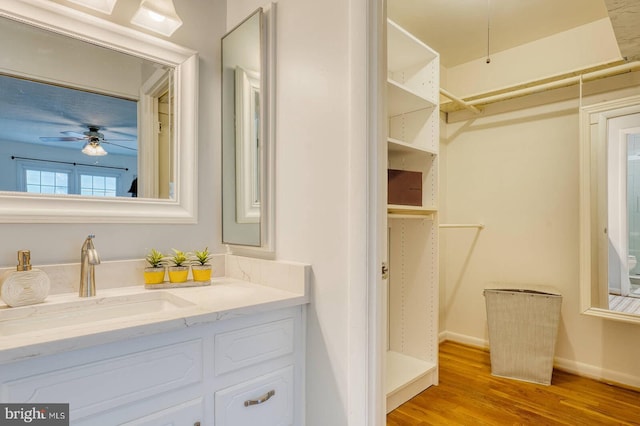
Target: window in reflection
pixel 46 182
pixel 633 211
pixel 60 179
pixel 623 212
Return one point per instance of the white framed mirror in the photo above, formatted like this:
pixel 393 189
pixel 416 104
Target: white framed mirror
pixel 610 209
pixel 247 134
pixel 154 179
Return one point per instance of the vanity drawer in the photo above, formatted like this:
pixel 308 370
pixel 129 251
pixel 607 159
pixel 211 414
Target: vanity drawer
pixel 102 385
pixel 247 346
pixel 265 401
pixel 187 413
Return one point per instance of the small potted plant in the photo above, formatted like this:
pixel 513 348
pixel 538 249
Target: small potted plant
pixel 200 267
pixel 154 273
pixel 179 269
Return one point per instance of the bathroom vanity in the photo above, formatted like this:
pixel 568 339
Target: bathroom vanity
pixel 227 354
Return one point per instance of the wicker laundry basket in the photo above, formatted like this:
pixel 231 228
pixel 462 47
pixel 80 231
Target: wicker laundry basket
pixel 523 328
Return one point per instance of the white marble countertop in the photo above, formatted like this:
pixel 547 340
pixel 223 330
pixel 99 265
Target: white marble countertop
pixel 224 298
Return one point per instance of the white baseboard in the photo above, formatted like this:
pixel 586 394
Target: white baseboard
pixel 464 339
pixel 597 373
pixel 570 366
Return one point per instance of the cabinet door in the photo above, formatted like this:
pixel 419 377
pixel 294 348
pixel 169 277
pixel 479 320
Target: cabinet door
pixel 264 401
pixel 104 385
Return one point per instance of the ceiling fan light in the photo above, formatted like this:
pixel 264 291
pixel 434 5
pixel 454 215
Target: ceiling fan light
pixel 157 15
pixel 93 149
pixel 104 6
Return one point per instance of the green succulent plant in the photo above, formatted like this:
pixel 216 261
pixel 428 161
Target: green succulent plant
pixel 179 258
pixel 203 256
pixel 155 258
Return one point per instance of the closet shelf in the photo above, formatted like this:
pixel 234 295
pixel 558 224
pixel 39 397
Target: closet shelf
pixel 413 74
pixel 402 369
pixel 417 211
pixel 406 377
pixel 402 99
pixel 396 145
pixel 404 50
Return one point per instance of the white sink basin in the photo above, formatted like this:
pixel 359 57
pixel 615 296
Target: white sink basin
pixel 86 312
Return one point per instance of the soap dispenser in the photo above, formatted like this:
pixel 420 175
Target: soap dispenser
pixel 25 285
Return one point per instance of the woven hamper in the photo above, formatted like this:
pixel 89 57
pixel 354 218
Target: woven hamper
pixel 523 327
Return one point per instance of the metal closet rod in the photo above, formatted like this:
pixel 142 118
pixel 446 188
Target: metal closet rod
pixel 462 225
pixel 540 87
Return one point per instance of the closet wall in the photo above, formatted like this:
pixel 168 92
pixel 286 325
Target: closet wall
pixel 515 169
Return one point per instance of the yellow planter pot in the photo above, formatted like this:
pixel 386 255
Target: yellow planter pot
pixel 178 274
pixel 153 275
pixel 201 273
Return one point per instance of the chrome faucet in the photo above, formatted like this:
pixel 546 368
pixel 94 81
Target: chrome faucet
pixel 88 259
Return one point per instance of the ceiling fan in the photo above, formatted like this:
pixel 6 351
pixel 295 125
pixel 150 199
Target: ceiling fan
pixel 94 140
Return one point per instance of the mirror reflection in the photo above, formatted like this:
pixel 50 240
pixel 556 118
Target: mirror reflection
pixel 76 118
pixel 623 177
pixel 242 132
pixel 610 209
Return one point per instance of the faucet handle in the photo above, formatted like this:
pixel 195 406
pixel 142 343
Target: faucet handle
pixel 93 258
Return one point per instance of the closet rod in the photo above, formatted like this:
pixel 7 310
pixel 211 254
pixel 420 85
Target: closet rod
pixel 564 82
pixel 462 225
pixel 454 98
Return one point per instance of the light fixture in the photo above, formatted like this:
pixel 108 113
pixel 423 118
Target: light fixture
pixel 104 6
pixel 157 15
pixel 93 148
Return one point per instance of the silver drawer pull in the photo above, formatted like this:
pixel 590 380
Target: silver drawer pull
pixel 260 400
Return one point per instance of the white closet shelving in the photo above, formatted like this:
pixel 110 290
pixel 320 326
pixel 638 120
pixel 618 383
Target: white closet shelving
pixel 413 143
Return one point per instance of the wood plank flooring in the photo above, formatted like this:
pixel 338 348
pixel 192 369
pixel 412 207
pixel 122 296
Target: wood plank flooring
pixel 469 395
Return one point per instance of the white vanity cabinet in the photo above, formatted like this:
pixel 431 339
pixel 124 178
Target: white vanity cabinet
pixel 413 145
pixel 245 370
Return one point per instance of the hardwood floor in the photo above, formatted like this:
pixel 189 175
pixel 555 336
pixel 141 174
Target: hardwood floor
pixel 469 395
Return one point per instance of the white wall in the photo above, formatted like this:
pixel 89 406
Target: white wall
pixel 517 172
pixel 204 25
pixel 319 185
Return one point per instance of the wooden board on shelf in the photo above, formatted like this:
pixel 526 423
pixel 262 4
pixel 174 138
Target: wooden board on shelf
pixel 410 210
pixel 167 284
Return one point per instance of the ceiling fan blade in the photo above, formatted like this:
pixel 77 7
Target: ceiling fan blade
pixel 61 139
pixel 74 134
pixel 118 145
